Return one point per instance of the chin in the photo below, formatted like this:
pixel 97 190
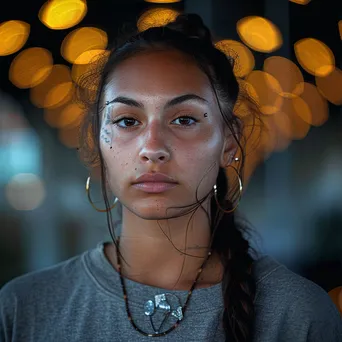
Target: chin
pixel 153 213
pixel 156 212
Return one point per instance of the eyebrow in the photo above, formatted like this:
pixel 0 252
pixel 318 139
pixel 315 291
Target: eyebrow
pixel 177 100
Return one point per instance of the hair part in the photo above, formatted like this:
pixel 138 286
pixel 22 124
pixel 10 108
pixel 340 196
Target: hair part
pixel 190 36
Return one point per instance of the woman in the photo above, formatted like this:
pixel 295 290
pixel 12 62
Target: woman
pixel 163 131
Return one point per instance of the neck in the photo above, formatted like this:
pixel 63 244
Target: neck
pixel 167 256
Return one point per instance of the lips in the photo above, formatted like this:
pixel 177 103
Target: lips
pixel 154 187
pixel 154 178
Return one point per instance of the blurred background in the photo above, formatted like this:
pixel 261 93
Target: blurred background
pixel 289 60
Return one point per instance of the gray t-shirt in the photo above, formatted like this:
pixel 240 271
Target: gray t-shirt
pixel 81 299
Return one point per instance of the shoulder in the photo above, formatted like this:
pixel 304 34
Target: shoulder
pixel 47 281
pixel 296 300
pixel 277 281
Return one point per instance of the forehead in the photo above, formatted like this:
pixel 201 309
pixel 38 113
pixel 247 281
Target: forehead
pixel 157 73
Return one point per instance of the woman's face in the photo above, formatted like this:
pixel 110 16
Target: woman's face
pixel 159 138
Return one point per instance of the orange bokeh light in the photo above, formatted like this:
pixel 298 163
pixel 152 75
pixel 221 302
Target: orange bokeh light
pixel 13 36
pixel 268 89
pixel 91 56
pixel 31 67
pixel 259 33
pixel 55 90
pixel 243 58
pixel 62 14
pixel 69 136
pixel 65 116
pixel 315 57
pixel 81 40
pixel 299 127
pixel 163 1
pixel 330 86
pixel 315 109
pixel 242 107
pixel 301 2
pixel 287 74
pixel 336 296
pixel 156 17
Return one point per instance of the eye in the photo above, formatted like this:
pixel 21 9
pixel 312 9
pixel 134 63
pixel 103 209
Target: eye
pixel 126 119
pixel 187 118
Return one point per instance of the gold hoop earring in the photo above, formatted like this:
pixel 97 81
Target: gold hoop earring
pixel 91 202
pixel 240 194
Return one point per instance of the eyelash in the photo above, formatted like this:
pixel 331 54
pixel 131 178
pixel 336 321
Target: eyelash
pixel 115 122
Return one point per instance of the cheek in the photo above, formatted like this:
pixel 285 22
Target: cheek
pixel 117 160
pixel 200 162
pixel 118 166
pixel 206 149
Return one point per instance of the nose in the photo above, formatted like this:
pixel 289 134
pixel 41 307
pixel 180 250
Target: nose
pixel 154 144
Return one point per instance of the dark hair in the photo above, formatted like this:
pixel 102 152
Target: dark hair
pixel 189 35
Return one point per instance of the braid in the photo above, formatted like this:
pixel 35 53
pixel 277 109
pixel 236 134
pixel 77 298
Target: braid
pixel 239 289
pixel 238 285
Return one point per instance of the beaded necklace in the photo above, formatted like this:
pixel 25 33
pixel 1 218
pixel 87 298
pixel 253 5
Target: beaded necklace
pixel 126 298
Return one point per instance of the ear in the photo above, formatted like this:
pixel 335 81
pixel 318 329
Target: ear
pixel 229 150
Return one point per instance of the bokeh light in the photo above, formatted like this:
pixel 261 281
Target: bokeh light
pixel 259 33
pixel 68 115
pixel 62 14
pixel 25 191
pixel 13 36
pixel 156 17
pixel 31 67
pixel 311 106
pixel 244 61
pixel 287 74
pixel 69 136
pixel 242 108
pixel 301 2
pixel 90 56
pixel 251 162
pixel 269 137
pixel 78 71
pixel 81 40
pixel 163 1
pixel 55 90
pixel 314 56
pixel 302 109
pixel 336 296
pixel 280 127
pixel 299 127
pixel 252 132
pixel 268 89
pixel 331 86
pixel 340 28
